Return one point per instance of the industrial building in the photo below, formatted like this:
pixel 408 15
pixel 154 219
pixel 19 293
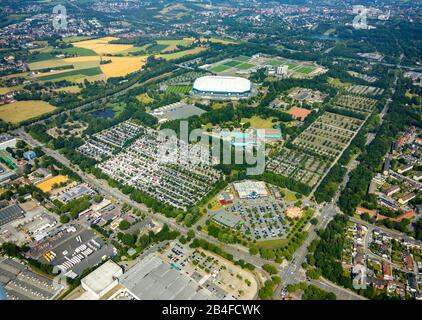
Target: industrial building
pixel 10 214
pixel 99 282
pixel 221 86
pixel 154 279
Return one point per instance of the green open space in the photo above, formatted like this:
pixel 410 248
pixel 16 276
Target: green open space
pixel 84 72
pixel 220 68
pixel 245 66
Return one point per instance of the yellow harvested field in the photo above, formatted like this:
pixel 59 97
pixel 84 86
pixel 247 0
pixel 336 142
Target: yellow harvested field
pixel 23 110
pixel 122 66
pixel 180 54
pixel 83 62
pixel 47 185
pixel 102 45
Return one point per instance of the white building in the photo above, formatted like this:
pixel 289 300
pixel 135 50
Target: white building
pixel 282 70
pixel 250 189
pixel 7 141
pixel 99 282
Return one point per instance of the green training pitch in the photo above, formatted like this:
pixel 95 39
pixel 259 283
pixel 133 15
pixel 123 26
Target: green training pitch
pixel 219 68
pixel 245 66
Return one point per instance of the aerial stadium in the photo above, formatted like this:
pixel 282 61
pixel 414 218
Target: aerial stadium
pixel 220 87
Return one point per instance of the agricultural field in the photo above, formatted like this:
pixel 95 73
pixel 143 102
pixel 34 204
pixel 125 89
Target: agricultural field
pixel 180 54
pixel 355 103
pixel 76 39
pixel 74 74
pixel 329 135
pixel 102 45
pixel 86 67
pixel 48 185
pixel 171 45
pixel 19 111
pixel 122 66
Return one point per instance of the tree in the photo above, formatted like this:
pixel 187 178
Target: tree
pixel 98 198
pixel 124 225
pixel 270 268
pixel 191 234
pixel 64 219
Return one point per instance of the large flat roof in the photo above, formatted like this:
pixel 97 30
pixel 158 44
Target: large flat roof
pixel 154 279
pixel 220 84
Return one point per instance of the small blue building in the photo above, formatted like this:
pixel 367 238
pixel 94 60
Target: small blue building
pixel 29 155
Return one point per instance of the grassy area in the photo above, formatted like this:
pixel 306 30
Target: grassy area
pixel 232 63
pixel 69 89
pixel 289 196
pixel 219 40
pixel 271 244
pixel 83 72
pixel 173 43
pixel 79 51
pixel 180 54
pixel 179 88
pixel 275 63
pixel 220 68
pixel 24 110
pixel 259 123
pixel 76 39
pixel 144 98
pixel 157 48
pixel 337 83
pixel 245 66
pixel 243 58
pixel 305 69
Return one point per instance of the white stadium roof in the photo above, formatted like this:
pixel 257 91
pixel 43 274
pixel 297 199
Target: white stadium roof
pixel 220 84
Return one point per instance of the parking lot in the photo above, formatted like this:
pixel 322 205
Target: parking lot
pixel 155 165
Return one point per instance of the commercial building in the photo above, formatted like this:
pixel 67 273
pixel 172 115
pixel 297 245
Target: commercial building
pixel 220 86
pixel 226 219
pixel 99 282
pixel 250 189
pixel 154 279
pixel 10 214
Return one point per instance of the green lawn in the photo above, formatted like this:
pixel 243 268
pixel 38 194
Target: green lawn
pixel 232 63
pixel 41 57
pixel 220 68
pixel 243 58
pixel 245 66
pixel 305 69
pixel 85 72
pixel 271 244
pixel 157 48
pixel 79 51
pixel 276 63
pixel 179 88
